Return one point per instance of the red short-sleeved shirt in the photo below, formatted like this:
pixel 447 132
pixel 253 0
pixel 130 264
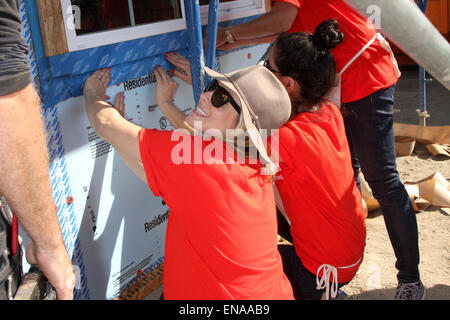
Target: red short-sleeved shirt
pixel 221 240
pixel 373 70
pixel 319 192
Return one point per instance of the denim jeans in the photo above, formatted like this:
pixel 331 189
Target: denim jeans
pixel 370 132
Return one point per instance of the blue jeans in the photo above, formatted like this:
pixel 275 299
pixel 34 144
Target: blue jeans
pixel 370 132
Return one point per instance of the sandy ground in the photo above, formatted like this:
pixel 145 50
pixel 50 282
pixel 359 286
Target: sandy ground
pixel 377 276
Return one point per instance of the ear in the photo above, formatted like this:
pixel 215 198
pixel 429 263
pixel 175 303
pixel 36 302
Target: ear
pixel 291 85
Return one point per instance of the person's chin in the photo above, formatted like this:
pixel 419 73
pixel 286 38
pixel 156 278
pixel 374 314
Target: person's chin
pixel 194 120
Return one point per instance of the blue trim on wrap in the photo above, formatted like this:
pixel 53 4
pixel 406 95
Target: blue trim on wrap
pixel 33 20
pixel 192 9
pixel 62 77
pixel 213 18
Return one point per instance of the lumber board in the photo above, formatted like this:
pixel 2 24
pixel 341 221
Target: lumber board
pixel 52 27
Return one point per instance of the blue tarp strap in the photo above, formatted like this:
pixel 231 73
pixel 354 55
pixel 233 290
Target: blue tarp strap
pixel 211 39
pixel 194 27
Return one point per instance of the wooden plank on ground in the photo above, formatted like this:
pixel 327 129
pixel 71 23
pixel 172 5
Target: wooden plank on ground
pixel 143 287
pixel 425 135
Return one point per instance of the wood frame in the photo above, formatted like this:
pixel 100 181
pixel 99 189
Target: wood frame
pixel 52 27
pixel 51 20
pixel 230 11
pixel 111 36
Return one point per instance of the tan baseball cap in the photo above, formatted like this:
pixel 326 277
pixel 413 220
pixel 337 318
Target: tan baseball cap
pixel 263 99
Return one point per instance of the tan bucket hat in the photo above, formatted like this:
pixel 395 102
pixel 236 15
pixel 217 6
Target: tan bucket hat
pixel 263 99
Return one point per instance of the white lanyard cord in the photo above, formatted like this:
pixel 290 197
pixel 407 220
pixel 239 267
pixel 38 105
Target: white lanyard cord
pixel 360 52
pixel 324 281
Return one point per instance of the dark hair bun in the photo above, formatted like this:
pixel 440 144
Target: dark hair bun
pixel 327 35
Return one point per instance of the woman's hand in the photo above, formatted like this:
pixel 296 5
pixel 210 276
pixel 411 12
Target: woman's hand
pixel 181 63
pixel 165 87
pixel 95 90
pixel 95 86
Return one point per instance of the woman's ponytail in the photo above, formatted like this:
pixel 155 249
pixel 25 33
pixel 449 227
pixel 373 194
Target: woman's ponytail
pixel 327 35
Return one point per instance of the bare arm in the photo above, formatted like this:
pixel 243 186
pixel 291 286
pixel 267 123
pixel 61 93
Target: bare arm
pixel 109 122
pixel 165 91
pixel 24 181
pixel 279 19
pixel 249 42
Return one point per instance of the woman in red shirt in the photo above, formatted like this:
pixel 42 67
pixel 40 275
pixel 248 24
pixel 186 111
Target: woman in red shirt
pixel 221 239
pixel 369 73
pixel 316 183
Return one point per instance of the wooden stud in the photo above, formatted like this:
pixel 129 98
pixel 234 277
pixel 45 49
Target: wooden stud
pixel 268 6
pixel 52 27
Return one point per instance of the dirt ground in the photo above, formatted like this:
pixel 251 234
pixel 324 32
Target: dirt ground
pixel 377 277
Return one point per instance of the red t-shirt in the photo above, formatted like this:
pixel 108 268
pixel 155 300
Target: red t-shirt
pixel 319 192
pixel 221 240
pixel 373 70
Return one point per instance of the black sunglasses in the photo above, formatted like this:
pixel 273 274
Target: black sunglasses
pixel 221 96
pixel 268 66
